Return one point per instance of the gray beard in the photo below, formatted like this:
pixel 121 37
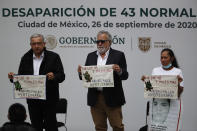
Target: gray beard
pixel 102 50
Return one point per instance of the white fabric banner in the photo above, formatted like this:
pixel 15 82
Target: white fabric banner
pixel 97 76
pixel 161 86
pixel 30 86
pixel 164 115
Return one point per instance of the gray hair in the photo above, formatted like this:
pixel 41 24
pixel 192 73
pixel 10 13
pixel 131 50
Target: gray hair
pixel 37 35
pixel 109 37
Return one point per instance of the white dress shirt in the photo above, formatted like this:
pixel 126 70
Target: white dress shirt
pixel 37 62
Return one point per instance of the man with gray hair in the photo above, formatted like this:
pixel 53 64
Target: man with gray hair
pixel 39 61
pixel 106 103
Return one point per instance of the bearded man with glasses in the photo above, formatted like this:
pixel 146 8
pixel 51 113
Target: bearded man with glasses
pixel 106 103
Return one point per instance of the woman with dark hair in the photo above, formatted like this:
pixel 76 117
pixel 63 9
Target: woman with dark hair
pixel 169 66
pixel 173 60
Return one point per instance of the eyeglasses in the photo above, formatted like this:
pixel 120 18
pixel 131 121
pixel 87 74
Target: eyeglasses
pixel 101 41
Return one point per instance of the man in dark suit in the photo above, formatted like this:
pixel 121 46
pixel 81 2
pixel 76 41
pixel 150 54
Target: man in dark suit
pixel 105 103
pixel 39 61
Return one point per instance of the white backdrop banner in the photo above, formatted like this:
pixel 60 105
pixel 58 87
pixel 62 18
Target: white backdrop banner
pixel 139 28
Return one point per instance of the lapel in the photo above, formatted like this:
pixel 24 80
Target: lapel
pixel 43 64
pixel 94 60
pixel 110 57
pixel 30 62
pixel 32 65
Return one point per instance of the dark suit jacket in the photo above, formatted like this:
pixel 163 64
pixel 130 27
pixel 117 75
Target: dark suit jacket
pixel 113 96
pixel 51 63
